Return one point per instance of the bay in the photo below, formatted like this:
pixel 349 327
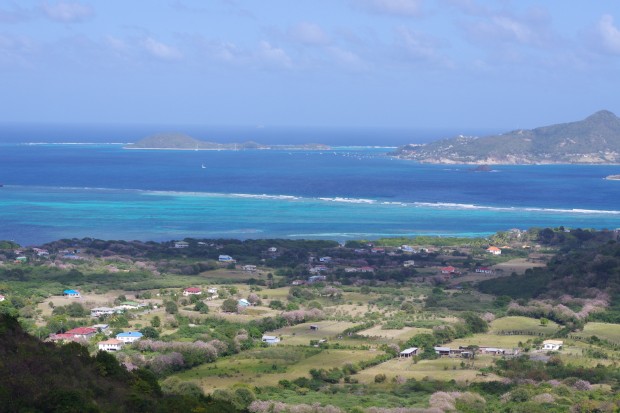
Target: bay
pixel 54 191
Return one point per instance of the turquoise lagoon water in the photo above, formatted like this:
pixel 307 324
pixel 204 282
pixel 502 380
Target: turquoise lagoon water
pixel 104 191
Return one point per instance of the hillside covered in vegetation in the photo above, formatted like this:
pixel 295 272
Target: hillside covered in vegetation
pixel 594 140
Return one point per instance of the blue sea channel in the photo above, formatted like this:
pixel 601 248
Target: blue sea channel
pixel 53 191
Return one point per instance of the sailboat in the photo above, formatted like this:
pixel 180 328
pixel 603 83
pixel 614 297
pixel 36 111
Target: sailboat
pixel 203 166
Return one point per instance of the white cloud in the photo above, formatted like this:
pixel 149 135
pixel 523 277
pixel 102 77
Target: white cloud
pixel 406 8
pixel 609 34
pixel 346 58
pixel 16 51
pixel 15 14
pixel 309 34
pixel 67 12
pixel 161 50
pixel 418 47
pixel 273 55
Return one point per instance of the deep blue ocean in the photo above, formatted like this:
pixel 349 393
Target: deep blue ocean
pixel 53 191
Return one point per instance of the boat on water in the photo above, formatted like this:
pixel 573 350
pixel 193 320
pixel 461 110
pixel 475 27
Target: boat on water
pixel 203 166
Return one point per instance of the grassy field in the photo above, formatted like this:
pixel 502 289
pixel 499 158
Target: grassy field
pixel 518 265
pixel 610 332
pixel 403 334
pixel 444 368
pixel 265 367
pixel 490 340
pixel 518 323
pixel 301 333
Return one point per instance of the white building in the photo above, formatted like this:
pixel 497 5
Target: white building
pixel 225 258
pixel 110 345
pixel 409 352
pixel 129 337
pixel 271 339
pixel 552 345
pixel 192 291
pixel 99 311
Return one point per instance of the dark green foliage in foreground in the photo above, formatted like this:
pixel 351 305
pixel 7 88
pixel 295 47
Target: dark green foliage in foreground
pixel 595 264
pixel 41 377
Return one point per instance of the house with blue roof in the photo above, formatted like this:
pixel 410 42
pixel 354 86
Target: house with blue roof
pixel 129 336
pixel 71 293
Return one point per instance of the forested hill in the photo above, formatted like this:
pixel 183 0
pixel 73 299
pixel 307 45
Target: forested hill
pixel 589 266
pixel 41 377
pixel 594 140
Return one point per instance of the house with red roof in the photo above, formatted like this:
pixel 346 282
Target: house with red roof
pixel 494 250
pixel 448 270
pixel 82 332
pixel 62 337
pixel 192 291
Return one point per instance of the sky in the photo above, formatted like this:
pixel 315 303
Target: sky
pixel 309 63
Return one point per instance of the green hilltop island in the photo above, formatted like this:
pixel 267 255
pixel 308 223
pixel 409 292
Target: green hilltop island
pixel 594 140
pixel 178 141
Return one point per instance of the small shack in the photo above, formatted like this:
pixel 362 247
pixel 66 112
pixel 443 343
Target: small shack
pixel 409 352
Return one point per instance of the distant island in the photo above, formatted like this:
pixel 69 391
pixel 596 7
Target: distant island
pixel 594 140
pixel 187 143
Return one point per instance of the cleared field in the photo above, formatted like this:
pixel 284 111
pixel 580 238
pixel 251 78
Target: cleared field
pixel 301 333
pixel 491 340
pixel 606 331
pixel 518 323
pixel 265 371
pixel 396 335
pixel 518 265
pixel 444 368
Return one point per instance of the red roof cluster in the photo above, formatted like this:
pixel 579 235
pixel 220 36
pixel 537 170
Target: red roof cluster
pixel 192 290
pixel 81 331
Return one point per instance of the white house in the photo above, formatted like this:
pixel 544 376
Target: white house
pixel 110 345
pixel 129 305
pixel 271 339
pixel 272 249
pixel 225 258
pixel 407 249
pixel 181 244
pixel 99 311
pixel 249 268
pixel 552 345
pixel 129 336
pixel 409 263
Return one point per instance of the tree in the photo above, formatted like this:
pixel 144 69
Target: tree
pixel 202 307
pixel 254 299
pixel 156 322
pixel 171 307
pixel 149 332
pixel 229 305
pixel 475 324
